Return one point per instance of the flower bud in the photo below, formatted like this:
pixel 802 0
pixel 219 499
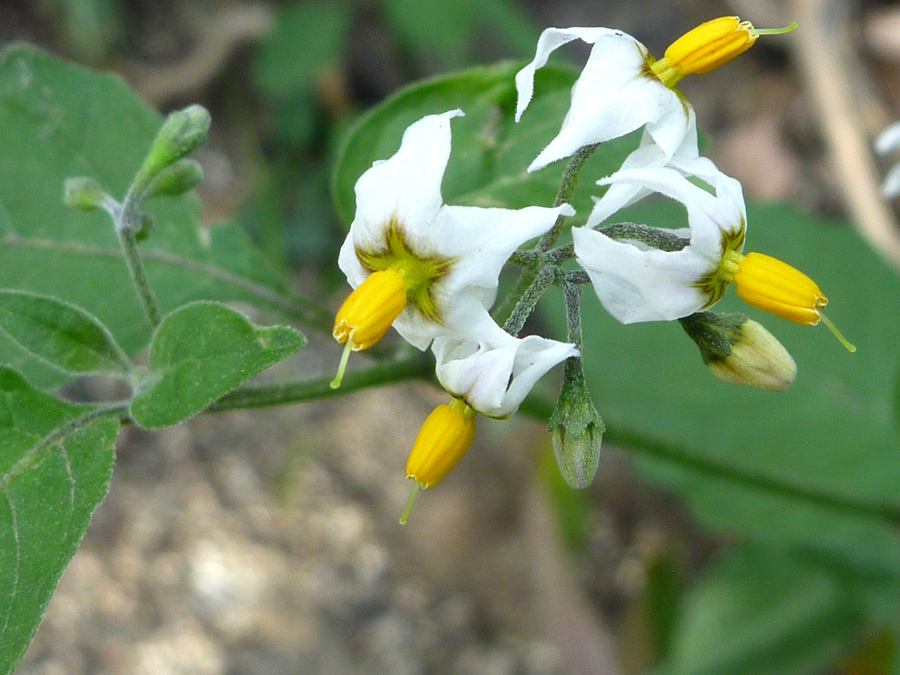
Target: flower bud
pixel 576 430
pixel 442 442
pixel 182 176
pixel 83 193
pixel 740 350
pixel 182 132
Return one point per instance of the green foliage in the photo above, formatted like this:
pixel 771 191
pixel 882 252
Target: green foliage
pixel 760 611
pixel 67 303
pixel 61 335
pixel 55 464
pixel 52 132
pixel 201 352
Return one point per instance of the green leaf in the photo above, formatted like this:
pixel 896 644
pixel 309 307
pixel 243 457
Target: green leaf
pixel 759 611
pixel 60 334
pixel 55 464
pixel 201 352
pixel 490 151
pixel 58 121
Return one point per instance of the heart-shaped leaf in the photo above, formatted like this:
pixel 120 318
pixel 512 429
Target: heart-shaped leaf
pixel 199 353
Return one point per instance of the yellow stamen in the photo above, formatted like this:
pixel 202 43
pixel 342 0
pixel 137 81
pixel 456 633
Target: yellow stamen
pixel 443 440
pixel 776 287
pixel 709 46
pixel 367 314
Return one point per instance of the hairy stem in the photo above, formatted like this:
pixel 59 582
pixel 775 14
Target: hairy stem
pixel 529 299
pixel 415 366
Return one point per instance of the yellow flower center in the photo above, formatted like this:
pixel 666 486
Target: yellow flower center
pixel 442 442
pixel 399 277
pixel 419 270
pixel 707 47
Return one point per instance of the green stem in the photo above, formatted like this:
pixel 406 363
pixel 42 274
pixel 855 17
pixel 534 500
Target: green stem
pixel 572 294
pixel 138 274
pixel 533 262
pixel 529 299
pixel 126 219
pixel 418 365
pixel 566 190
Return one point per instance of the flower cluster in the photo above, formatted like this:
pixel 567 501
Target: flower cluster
pixel 431 270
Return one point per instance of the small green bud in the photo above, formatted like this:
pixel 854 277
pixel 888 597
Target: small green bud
pixel 182 132
pixel 182 176
pixel 576 429
pixel 738 349
pixel 145 225
pixel 83 193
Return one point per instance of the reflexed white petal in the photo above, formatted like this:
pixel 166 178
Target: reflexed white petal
pixel 495 374
pixel 483 239
pixel 612 97
pixel 641 285
pixel 408 185
pixel 551 40
pixel 710 216
pixel 888 140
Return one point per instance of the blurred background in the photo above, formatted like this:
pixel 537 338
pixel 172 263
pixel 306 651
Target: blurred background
pixel 267 542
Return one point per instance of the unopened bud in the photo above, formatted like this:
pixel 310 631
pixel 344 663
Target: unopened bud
pixel 83 193
pixel 740 350
pixel 182 176
pixel 182 132
pixel 576 429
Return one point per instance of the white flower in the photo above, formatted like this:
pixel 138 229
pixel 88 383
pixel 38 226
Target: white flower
pixel 495 372
pixel 615 94
pixel 440 264
pixel 636 282
pixel 686 160
pixel 623 88
pixel 888 141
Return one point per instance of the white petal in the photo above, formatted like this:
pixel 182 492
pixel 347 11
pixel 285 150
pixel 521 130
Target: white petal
pixel 888 140
pixel 551 40
pixel 710 216
pixel 649 155
pixel 349 263
pixel 465 316
pixel 408 185
pixel 890 187
pixel 482 240
pixel 614 96
pixel 641 285
pixel 494 375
